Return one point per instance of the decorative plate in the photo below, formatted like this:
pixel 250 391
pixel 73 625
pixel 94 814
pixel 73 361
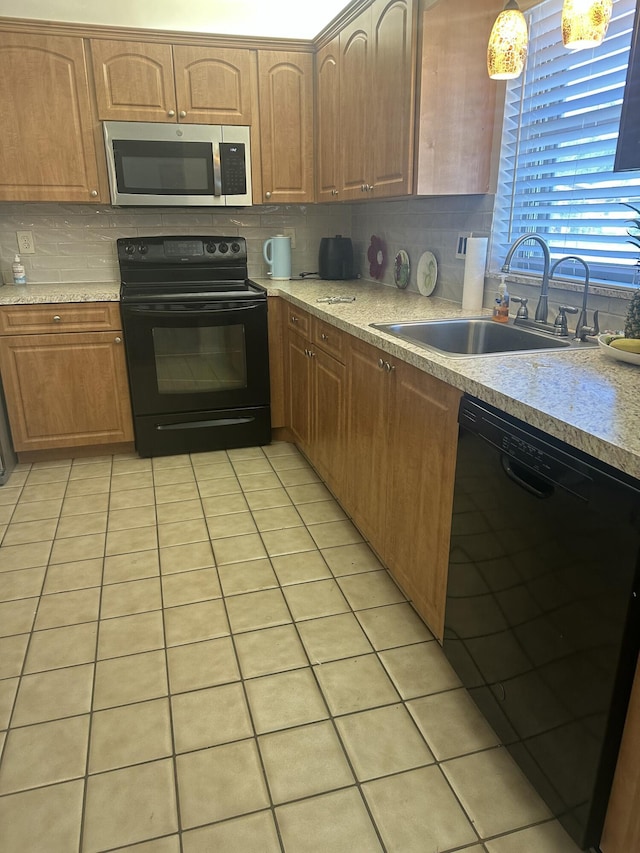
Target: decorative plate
pixel 427 274
pixel 377 257
pixel 617 354
pixel 401 269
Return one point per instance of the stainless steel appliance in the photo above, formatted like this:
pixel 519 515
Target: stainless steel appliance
pixel 195 332
pixel 335 258
pixel 151 163
pixel 8 457
pixel 543 618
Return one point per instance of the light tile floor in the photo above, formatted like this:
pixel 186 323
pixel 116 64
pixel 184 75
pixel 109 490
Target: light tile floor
pixel 199 653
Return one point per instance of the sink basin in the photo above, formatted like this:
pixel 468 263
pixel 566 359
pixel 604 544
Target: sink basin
pixel 472 336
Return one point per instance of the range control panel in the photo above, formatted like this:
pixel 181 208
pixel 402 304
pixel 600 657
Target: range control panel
pixel 183 250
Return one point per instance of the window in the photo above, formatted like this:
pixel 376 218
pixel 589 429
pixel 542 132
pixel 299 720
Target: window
pixel 558 146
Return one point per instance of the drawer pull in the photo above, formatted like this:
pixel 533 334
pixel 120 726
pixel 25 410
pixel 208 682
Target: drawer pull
pixel 324 337
pixel 117 340
pixel 57 318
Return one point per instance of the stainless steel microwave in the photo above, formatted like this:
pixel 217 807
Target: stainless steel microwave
pixel 178 165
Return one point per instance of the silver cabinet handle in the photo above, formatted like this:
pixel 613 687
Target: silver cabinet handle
pixel 182 114
pixel 389 367
pixel 381 363
pixel 57 318
pixel 334 192
pixel 94 193
pixel 324 337
pixel 171 113
pixel 267 195
pixel 294 319
pixel 117 340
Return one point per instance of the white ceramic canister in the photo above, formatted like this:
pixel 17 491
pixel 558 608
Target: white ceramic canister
pixel 277 254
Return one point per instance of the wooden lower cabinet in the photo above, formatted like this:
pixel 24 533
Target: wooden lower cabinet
pixel 66 390
pixel 622 825
pixel 316 397
pixel 400 463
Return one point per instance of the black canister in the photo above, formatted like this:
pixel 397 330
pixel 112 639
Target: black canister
pixel 335 260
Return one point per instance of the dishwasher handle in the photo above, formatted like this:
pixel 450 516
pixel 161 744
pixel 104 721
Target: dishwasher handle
pixel 526 479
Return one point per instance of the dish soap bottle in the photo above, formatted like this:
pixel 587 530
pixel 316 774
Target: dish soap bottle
pixel 19 275
pixel 501 304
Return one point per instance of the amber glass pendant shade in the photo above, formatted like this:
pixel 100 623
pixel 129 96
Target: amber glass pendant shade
pixel 508 42
pixel 585 22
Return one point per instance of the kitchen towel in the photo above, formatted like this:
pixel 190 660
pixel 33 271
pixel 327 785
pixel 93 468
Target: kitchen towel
pixel 474 265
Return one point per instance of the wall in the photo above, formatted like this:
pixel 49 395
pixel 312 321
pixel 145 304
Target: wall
pixel 76 243
pixel 418 225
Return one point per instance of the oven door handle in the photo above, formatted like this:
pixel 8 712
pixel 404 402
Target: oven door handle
pixel 211 307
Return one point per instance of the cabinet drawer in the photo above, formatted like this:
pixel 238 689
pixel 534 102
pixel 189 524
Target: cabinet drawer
pixel 329 339
pixel 298 320
pixel 60 317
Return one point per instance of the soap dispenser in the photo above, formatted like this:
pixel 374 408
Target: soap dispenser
pixel 501 304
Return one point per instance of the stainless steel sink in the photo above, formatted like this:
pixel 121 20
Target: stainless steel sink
pixel 472 336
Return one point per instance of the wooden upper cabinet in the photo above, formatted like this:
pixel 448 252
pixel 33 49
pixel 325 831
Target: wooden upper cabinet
pixel 456 104
pixel 377 85
pixel 355 119
pixel 157 82
pixel 48 149
pixel 213 86
pixel 134 82
pixel 328 152
pixel 393 62
pixel 285 86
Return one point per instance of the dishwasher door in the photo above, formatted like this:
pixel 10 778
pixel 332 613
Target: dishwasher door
pixel 542 619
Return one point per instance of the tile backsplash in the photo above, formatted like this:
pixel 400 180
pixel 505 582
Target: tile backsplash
pixel 76 243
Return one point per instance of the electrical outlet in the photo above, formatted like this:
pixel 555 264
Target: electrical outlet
pixel 461 244
pixel 290 232
pixel 25 242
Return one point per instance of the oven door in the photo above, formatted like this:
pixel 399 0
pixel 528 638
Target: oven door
pixel 196 356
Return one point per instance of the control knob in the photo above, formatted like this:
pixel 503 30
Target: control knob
pixel 235 248
pixel 143 248
pixel 129 248
pixel 223 248
pixel 211 247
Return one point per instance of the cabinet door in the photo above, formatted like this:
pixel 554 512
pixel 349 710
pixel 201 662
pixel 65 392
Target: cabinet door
pixel 48 149
pixel 66 390
pixel 286 123
pixel 328 152
pixel 134 81
pixel 299 389
pixel 621 832
pixel 356 122
pixel 422 445
pixel 393 88
pixel 213 86
pixel 368 386
pixel 456 104
pixel 329 419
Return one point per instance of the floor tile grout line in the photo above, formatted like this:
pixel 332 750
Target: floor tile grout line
pixel 85 792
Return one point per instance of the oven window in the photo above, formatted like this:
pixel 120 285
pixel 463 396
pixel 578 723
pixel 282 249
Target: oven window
pixel 201 359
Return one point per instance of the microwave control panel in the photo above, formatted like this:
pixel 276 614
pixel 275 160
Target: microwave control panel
pixel 233 168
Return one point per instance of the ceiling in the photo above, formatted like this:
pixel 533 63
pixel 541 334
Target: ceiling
pixel 294 19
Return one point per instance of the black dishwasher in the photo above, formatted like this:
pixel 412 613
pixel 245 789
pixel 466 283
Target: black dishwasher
pixel 542 621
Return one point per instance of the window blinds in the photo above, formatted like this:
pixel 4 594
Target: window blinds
pixel 558 146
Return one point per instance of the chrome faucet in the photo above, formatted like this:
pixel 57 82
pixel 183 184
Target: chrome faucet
pixel 542 308
pixel 582 329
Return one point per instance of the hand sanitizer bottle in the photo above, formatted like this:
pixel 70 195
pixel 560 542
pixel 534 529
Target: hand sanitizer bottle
pixel 19 275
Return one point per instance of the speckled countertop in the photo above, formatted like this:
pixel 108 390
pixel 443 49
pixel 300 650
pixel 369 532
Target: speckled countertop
pixel 35 294
pixel 579 396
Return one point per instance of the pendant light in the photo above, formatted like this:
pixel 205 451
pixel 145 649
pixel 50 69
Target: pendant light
pixel 508 42
pixel 585 22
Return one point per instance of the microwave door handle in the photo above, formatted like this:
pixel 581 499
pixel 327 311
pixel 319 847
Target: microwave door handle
pixel 217 170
